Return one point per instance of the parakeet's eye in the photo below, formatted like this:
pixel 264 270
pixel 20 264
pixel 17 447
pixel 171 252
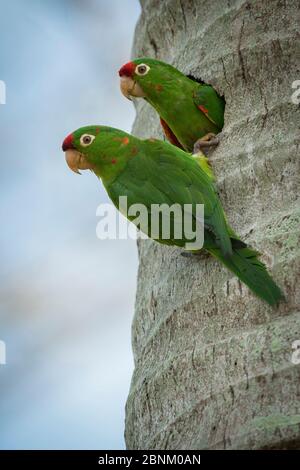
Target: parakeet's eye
pixel 142 69
pixel 86 139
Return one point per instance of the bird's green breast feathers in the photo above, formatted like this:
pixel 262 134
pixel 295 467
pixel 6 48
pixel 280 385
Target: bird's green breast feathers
pixel 175 102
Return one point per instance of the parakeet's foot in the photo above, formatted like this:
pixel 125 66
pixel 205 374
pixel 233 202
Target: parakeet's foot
pixel 209 140
pixel 202 254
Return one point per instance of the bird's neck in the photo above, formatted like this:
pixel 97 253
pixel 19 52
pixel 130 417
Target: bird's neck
pixel 116 152
pixel 168 101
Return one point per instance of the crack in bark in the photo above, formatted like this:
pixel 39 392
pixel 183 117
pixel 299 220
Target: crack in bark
pixel 246 373
pixel 152 42
pixel 148 402
pixel 183 15
pixel 225 75
pixel 241 58
pixel 193 358
pixel 226 439
pixel 265 115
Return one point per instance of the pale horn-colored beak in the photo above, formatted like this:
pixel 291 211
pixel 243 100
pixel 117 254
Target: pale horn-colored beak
pixel 76 161
pixel 130 88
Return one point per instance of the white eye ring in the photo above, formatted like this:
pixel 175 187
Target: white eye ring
pixel 142 69
pixel 86 139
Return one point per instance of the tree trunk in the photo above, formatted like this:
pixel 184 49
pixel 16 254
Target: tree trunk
pixel 213 364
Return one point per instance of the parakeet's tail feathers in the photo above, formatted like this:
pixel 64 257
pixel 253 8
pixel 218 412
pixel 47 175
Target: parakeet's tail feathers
pixel 245 264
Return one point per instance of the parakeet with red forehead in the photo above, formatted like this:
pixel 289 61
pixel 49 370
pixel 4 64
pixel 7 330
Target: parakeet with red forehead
pixel 191 114
pixel 151 172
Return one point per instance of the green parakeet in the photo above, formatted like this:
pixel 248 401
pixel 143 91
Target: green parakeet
pixel 190 112
pixel 152 172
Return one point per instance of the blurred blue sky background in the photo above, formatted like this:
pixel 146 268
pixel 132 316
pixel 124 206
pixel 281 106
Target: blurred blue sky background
pixel 66 297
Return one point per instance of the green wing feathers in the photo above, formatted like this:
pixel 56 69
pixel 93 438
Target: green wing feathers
pixel 210 103
pixel 185 182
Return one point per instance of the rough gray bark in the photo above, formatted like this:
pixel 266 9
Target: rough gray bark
pixel 212 362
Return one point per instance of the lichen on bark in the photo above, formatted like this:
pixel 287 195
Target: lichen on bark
pixel 213 363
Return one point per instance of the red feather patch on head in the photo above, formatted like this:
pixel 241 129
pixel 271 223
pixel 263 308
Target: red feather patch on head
pixel 68 143
pixel 127 70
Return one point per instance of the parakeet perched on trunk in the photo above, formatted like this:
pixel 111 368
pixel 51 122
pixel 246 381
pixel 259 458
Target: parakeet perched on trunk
pixel 191 113
pixel 152 172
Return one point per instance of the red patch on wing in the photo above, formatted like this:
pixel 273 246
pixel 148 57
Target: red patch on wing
pixel 169 134
pixel 114 161
pixel 203 109
pixel 127 70
pixel 68 143
pixel 159 88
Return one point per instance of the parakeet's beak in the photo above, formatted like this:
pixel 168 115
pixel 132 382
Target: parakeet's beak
pixel 130 87
pixel 75 160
